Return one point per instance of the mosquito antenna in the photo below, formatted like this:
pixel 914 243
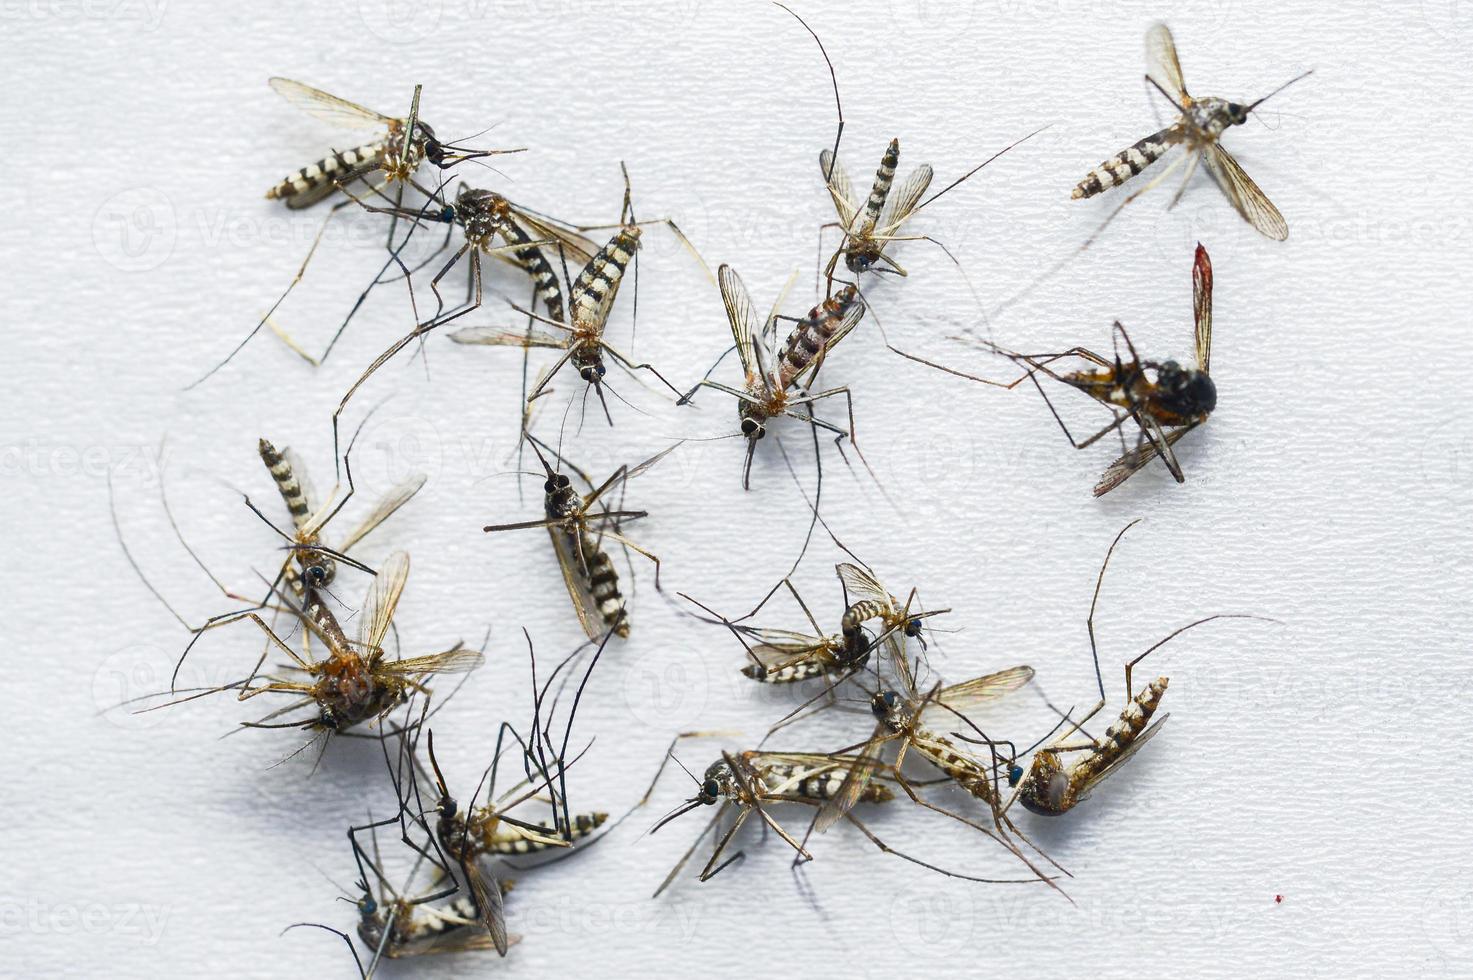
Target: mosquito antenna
pixel 834 78
pixel 1255 105
pixel 979 167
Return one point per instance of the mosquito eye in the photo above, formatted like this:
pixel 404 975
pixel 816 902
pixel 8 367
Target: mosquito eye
pixel 549 486
pixel 913 628
pixel 602 370
pixel 711 788
pixel 1015 773
pixel 562 481
pixel 587 374
pixel 749 426
pixel 447 214
pixel 316 574
pixel 367 905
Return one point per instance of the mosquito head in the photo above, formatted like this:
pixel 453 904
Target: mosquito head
pixel 319 571
pixel 861 256
pixel 592 372
pixel 913 627
pixel 1015 773
pixel 1237 113
pixel 713 786
pixel 885 705
pixel 1186 392
pixel 752 427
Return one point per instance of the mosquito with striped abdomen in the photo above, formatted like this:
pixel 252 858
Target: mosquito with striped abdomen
pixel 591 297
pixel 396 155
pixel 1198 129
pixel 579 525
pixel 1049 785
pixel 773 377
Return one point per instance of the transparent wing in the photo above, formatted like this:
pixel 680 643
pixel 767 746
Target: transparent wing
pixel 328 108
pixel 1120 760
pixel 392 501
pixel 859 583
pixel 861 768
pixel 304 481
pixel 742 318
pixel 499 337
pixel 1202 307
pixel 383 598
pixel 584 604
pixel 902 202
pixel 1122 469
pixel 577 249
pixel 490 903
pixel 1162 63
pixel 972 694
pixel 841 190
pixel 458 661
pixel 1251 203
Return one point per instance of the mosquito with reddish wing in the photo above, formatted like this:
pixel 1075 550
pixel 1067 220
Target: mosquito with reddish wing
pixel 1164 399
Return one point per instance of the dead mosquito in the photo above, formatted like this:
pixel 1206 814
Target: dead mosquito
pixel 1198 129
pixel 774 378
pixel 1050 785
pixel 579 526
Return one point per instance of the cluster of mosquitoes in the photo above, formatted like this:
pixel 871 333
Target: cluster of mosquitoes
pixel 463 844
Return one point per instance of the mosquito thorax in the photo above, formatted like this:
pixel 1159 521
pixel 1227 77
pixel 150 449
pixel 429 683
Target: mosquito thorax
pixel 1211 115
pixel 1186 392
pixel 1045 787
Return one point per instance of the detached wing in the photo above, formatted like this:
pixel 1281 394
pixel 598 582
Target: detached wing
pixel 1250 202
pixel 329 108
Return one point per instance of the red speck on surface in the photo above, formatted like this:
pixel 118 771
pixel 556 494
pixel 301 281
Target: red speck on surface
pixel 1278 899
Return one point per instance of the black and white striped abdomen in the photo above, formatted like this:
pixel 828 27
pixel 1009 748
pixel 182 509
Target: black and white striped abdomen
pixel 884 177
pixel 315 181
pixel 600 278
pixel 603 584
pixel 1127 163
pixel 532 261
pixel 800 670
pixel 286 482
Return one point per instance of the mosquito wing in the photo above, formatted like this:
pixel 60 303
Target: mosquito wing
pixel 461 660
pixel 903 202
pixel 1202 307
pixel 1121 470
pixel 860 584
pixel 392 501
pixel 329 108
pixel 490 904
pixel 1162 63
pixel 572 564
pixel 860 769
pixel 383 599
pixel 498 337
pixel 1120 759
pixel 1250 202
pixel 577 249
pixel 743 319
pixel 973 694
pixel 841 190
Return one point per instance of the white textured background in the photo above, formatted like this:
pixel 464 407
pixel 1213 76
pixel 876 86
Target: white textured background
pixel 1324 761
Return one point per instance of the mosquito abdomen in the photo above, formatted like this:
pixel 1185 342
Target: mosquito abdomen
pixel 813 333
pixel 880 190
pixel 860 612
pixel 603 583
pixel 286 482
pixel 335 166
pixel 788 674
pixel 1127 163
pixel 535 264
pixel 1125 729
pixel 602 274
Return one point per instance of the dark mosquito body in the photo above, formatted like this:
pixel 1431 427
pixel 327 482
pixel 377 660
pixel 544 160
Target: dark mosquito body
pixel 1198 129
pixel 399 927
